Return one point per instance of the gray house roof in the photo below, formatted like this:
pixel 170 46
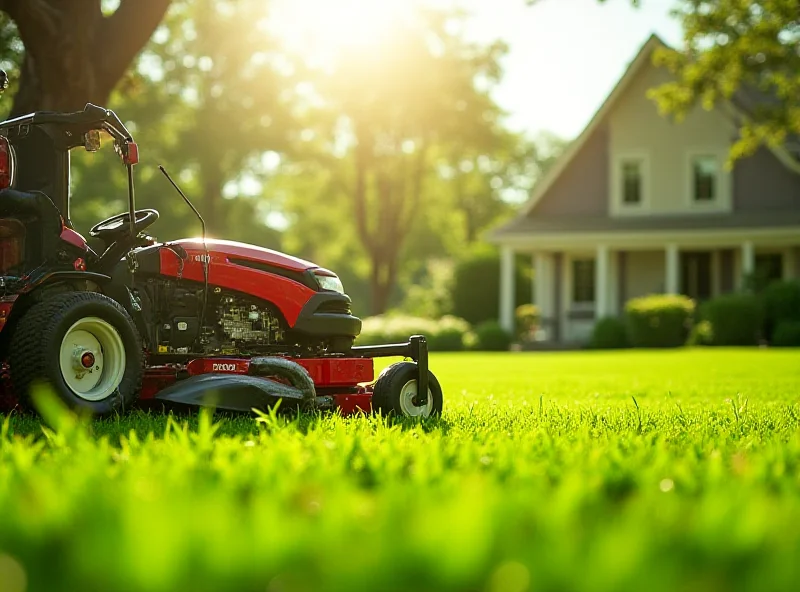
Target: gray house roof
pixel 564 224
pixel 591 146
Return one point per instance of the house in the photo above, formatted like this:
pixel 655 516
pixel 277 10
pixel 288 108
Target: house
pixel 640 204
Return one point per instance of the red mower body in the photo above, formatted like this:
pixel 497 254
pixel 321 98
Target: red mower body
pixel 127 319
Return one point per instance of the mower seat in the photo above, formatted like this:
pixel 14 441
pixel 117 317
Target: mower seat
pixel 42 224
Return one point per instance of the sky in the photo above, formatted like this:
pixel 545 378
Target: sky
pixel 566 55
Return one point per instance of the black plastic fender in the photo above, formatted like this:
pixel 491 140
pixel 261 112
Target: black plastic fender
pixel 238 392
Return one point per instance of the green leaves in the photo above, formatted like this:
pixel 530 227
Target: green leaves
pixel 747 53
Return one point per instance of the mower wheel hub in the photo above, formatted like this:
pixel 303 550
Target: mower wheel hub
pixel 408 401
pixel 92 359
pixel 87 361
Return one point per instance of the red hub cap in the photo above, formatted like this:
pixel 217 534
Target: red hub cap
pixel 87 360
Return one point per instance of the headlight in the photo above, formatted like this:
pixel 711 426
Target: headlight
pixel 330 282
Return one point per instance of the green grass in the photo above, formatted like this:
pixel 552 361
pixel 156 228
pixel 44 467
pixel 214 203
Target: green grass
pixel 674 470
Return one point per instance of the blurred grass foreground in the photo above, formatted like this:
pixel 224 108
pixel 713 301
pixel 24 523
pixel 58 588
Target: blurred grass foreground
pixel 581 471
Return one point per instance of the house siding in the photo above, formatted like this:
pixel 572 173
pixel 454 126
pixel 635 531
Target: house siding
pixel 637 128
pixel 762 182
pixel 582 188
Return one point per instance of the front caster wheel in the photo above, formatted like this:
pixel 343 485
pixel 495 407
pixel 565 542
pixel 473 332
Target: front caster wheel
pixel 395 392
pixel 84 346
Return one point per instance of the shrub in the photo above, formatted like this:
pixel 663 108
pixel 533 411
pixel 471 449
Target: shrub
pixel 490 336
pixel 787 334
pixel 445 334
pixel 659 320
pixel 476 285
pixel 527 316
pixel 609 333
pixel 735 319
pixel 781 302
pixel 449 334
pixel 702 334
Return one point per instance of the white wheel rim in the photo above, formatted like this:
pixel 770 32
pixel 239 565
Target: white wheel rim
pixel 407 394
pixel 92 340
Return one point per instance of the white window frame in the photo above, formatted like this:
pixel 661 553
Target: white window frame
pixel 618 205
pixel 723 199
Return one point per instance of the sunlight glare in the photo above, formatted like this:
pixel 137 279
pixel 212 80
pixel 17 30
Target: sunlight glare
pixel 319 28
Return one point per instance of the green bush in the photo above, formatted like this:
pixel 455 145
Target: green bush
pixel 609 333
pixel 787 334
pixel 445 334
pixel 702 334
pixel 490 336
pixel 661 320
pixel 735 319
pixel 476 285
pixel 449 334
pixel 527 316
pixel 781 302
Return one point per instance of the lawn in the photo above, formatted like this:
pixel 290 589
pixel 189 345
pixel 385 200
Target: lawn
pixel 656 471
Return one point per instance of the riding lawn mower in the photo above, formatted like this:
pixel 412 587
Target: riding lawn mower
pixel 189 322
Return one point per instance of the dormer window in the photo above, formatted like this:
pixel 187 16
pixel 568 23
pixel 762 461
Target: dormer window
pixel 705 174
pixel 631 182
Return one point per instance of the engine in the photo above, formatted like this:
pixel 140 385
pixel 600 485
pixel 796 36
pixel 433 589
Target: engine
pixel 234 324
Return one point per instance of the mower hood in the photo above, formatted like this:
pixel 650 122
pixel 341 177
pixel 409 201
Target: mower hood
pixel 236 250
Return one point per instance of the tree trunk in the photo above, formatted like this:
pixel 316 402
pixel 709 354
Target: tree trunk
pixel 73 53
pixel 383 276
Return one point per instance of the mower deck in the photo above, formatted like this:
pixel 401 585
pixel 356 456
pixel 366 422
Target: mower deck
pixel 341 383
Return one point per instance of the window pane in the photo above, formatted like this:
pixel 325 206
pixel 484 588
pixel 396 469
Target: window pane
pixel 583 281
pixel 705 178
pixel 631 182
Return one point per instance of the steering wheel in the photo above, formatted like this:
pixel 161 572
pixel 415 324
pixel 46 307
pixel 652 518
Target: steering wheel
pixel 115 228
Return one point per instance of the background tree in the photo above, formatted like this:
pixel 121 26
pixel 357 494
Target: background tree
pixel 76 52
pixel 744 52
pixel 423 90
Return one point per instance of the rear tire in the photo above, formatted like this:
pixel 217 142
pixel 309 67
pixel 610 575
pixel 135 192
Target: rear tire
pixel 395 391
pixel 84 346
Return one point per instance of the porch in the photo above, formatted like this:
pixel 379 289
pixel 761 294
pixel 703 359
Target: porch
pixel 576 283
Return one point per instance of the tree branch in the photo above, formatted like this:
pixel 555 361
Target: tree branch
pixel 360 195
pixel 411 213
pixel 124 34
pixel 35 19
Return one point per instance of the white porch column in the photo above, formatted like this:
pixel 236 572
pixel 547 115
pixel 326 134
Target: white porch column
pixel 543 296
pixel 672 282
pixel 601 269
pixel 748 260
pixel 507 288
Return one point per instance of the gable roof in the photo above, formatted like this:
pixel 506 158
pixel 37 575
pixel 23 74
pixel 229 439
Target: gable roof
pixel 642 58
pixel 743 105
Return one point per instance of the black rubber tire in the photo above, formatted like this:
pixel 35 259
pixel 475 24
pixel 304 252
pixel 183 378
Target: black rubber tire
pixel 390 383
pixel 36 345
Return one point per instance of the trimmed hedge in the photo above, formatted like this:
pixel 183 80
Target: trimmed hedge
pixel 445 334
pixel 659 320
pixel 490 336
pixel 787 334
pixel 781 302
pixel 735 319
pixel 476 281
pixel 609 333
